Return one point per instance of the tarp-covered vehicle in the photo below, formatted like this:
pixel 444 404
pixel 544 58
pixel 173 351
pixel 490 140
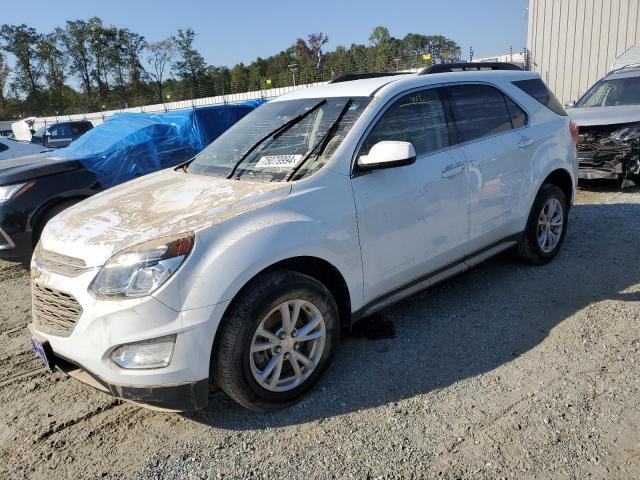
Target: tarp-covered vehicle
pixel 608 118
pixel 35 188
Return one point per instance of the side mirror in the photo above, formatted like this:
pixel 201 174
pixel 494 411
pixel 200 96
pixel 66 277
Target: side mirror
pixel 570 104
pixel 388 154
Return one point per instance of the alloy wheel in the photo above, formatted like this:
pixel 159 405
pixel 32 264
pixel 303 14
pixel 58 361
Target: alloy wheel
pixel 550 225
pixel 287 345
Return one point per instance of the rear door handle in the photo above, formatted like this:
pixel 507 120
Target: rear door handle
pixel 453 170
pixel 525 142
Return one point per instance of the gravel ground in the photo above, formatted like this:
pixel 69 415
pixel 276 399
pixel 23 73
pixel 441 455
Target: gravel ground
pixel 507 371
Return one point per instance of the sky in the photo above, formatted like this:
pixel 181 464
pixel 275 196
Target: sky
pixel 230 32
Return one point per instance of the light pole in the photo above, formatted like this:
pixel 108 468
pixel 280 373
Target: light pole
pixel 293 67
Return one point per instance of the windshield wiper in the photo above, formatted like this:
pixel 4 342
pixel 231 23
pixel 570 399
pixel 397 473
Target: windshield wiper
pixel 275 134
pixel 324 141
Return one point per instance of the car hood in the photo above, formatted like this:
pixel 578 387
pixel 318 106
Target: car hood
pixel 586 117
pixel 21 169
pixel 163 203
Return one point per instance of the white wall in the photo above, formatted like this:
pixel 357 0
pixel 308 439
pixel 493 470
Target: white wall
pixel 98 117
pixel 573 43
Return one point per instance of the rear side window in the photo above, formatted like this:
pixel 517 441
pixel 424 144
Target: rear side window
pixel 418 118
pixel 536 88
pixel 82 127
pixel 518 117
pixel 60 131
pixel 477 111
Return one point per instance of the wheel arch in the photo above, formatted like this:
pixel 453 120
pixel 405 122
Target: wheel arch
pixel 561 178
pixel 319 269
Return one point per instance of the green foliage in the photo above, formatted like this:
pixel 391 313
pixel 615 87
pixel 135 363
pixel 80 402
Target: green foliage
pixel 190 65
pixel 116 68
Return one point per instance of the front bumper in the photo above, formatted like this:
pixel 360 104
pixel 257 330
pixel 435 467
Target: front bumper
pixel 84 352
pixel 176 398
pixel 15 240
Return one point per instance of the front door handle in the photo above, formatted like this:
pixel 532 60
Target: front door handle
pixel 525 142
pixel 453 170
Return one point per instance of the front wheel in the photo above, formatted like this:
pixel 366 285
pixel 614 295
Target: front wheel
pixel 276 340
pixel 546 227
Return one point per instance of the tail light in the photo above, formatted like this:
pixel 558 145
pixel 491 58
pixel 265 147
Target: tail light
pixel 573 128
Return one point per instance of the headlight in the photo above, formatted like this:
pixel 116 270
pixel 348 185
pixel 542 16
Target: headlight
pixel 139 270
pixel 7 192
pixel 626 134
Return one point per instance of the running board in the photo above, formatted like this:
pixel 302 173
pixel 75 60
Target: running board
pixel 437 276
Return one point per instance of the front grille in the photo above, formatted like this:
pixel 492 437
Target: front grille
pixel 54 312
pixel 59 263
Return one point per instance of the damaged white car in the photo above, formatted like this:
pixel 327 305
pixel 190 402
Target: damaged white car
pixel 320 207
pixel 608 118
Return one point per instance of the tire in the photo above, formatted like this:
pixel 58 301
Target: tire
pixel 236 370
pixel 531 247
pixel 47 216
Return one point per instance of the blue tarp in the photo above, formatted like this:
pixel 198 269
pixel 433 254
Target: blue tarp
pixel 128 145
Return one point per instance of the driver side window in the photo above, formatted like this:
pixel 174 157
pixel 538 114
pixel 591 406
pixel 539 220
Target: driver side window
pixel 418 118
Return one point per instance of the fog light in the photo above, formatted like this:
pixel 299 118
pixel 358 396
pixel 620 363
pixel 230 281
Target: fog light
pixel 155 353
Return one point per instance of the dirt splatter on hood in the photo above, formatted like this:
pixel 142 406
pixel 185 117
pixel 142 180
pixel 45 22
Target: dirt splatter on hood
pixel 163 203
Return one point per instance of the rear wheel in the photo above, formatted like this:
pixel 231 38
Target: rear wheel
pixel 546 227
pixel 276 340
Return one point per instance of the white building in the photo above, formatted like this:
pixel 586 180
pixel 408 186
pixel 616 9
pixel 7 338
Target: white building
pixel 574 43
pixel 517 58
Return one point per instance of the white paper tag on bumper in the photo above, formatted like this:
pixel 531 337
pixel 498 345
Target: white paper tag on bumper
pixel 278 161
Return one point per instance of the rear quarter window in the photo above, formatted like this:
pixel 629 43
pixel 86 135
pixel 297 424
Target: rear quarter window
pixel 536 88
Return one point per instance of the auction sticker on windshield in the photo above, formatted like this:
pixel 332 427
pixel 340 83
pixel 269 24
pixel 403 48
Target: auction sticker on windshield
pixel 278 161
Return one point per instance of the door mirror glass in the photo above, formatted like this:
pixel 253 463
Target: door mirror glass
pixel 387 154
pixel 570 104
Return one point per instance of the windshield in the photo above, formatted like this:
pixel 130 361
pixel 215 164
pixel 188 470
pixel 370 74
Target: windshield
pixel 261 147
pixel 40 132
pixel 612 93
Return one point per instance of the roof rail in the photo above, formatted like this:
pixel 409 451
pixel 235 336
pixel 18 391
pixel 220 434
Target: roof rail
pixel 468 67
pixel 360 76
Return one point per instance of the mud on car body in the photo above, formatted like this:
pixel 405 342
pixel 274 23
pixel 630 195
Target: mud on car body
pixel 240 267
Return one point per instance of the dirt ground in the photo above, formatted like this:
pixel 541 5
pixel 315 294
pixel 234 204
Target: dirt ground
pixel 507 371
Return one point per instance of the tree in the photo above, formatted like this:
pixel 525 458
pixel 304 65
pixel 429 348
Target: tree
pixel 49 51
pixel 76 38
pixel 316 41
pixel 124 61
pixel 380 57
pixel 133 46
pixel 190 64
pixel 238 80
pixel 21 42
pixel 380 36
pixel 101 45
pixel 159 57
pixel 4 76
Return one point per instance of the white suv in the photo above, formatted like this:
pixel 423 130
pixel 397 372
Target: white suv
pixel 322 206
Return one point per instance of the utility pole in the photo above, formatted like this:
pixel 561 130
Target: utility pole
pixel 293 67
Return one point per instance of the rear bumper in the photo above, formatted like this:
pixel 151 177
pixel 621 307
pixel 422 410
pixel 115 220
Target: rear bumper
pixel 586 173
